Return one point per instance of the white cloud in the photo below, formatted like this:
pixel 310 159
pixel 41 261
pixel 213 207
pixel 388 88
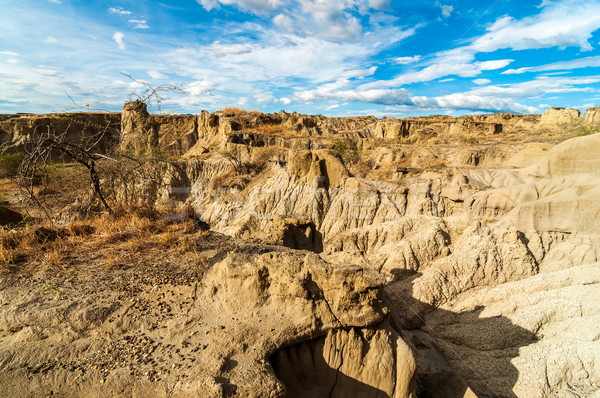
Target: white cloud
pixel 200 87
pixel 254 6
pixel 137 84
pixel 579 63
pixel 140 23
pixel 264 98
pixel 14 61
pixel 458 62
pixel 359 73
pixel 482 82
pixel 471 102
pixel 118 38
pixel 10 53
pixel 119 11
pixel 493 65
pixel 156 74
pixel 50 40
pixel 488 98
pixel 287 24
pixel 231 49
pixel 559 24
pixel 406 60
pixel 336 21
pixel 379 4
pixel 285 100
pixel 208 4
pixel 446 9
pixel 331 19
pixel 333 91
pixel 55 1
pixel 538 87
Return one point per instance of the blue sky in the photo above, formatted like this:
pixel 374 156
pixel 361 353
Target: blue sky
pixel 333 57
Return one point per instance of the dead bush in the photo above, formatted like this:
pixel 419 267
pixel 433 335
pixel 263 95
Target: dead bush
pixel 271 129
pixel 234 111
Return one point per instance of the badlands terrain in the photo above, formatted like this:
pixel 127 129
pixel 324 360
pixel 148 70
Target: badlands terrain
pixel 287 255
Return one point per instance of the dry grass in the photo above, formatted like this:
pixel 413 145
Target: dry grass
pixel 272 129
pixel 134 237
pixel 363 167
pixel 234 111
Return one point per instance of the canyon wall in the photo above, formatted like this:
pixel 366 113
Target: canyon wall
pixel 426 257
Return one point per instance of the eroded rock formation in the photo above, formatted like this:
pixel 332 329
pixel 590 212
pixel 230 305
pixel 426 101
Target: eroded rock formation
pixel 426 257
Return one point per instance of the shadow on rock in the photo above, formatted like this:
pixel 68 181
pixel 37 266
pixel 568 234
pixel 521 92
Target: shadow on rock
pixel 305 372
pixel 455 351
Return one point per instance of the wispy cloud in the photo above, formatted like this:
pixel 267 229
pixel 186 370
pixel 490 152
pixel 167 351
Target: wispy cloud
pixel 140 23
pixel 482 82
pixel 254 6
pixel 588 62
pixel 119 11
pixel 406 60
pixel 225 49
pixel 156 74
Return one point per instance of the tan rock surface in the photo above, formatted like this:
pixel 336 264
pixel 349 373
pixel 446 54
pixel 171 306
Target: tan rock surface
pixel 211 338
pixel 456 256
pixel 559 116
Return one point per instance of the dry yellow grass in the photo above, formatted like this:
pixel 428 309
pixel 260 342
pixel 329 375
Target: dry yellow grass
pixel 234 111
pixel 133 237
pixel 271 129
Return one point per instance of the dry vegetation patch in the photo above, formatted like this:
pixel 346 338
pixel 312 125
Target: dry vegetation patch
pixel 134 238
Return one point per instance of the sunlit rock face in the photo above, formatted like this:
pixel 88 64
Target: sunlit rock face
pixel 426 257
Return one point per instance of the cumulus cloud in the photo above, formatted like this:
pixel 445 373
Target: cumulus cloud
pixel 140 23
pixel 118 38
pixel 208 4
pixel 579 63
pixel 559 24
pixel 119 11
pixel 446 9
